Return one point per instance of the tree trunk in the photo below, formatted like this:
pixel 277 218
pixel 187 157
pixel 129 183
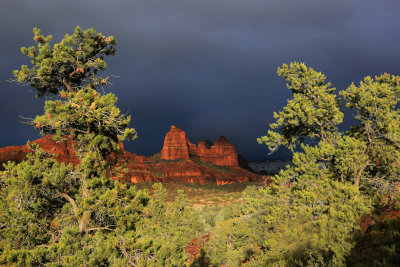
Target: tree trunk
pixel 359 174
pixel 84 221
pixel 67 85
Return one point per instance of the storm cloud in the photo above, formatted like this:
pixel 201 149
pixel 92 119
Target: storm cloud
pixel 206 66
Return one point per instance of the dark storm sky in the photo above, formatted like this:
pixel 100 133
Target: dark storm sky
pixel 207 66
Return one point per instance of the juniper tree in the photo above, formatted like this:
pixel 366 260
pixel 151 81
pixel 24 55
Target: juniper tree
pixel 61 205
pixel 337 174
pixel 376 106
pixel 165 231
pixel 368 152
pixel 70 65
pixel 312 113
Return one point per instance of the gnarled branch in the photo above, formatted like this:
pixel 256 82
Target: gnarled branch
pixel 101 228
pixel 67 85
pixel 69 199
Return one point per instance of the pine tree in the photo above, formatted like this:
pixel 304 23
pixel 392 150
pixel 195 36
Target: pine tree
pixel 166 230
pixel 336 175
pixel 312 113
pixel 376 107
pixel 368 152
pixel 71 215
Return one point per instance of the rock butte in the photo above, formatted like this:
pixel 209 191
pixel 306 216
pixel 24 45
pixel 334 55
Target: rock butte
pixel 179 160
pixel 177 145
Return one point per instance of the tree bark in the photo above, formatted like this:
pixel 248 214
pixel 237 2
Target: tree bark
pixel 359 173
pixel 84 221
pixel 70 200
pixel 67 85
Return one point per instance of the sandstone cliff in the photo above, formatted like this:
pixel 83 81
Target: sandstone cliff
pixel 179 160
pixel 178 146
pixel 62 149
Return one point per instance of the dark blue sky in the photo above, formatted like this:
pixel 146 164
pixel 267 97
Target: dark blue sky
pixel 206 66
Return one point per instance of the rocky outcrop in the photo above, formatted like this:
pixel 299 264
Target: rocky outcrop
pixel 178 146
pixel 179 161
pixel 222 153
pixel 12 153
pixel 62 149
pixel 175 145
pixel 154 169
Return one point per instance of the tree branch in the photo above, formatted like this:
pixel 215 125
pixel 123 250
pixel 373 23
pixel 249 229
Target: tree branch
pixel 321 130
pixel 69 199
pixel 101 228
pixel 127 256
pixel 67 85
pixel 359 173
pixel 84 221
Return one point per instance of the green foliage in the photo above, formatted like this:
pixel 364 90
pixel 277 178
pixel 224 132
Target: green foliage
pixel 320 199
pixel 26 200
pixel 378 246
pixel 302 224
pixel 72 63
pixel 233 242
pixel 313 112
pixel 42 211
pixel 92 118
pixel 166 230
pixel 237 236
pixel 368 154
pixel 375 104
pixel 71 215
pixel 314 218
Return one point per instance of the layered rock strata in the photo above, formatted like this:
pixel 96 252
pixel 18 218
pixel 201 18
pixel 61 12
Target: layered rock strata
pixel 179 160
pixel 178 146
pixel 62 149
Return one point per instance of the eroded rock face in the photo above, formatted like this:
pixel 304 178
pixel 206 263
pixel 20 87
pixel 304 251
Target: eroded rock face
pixel 62 149
pixel 191 163
pixel 186 171
pixel 178 146
pixel 175 145
pixel 222 153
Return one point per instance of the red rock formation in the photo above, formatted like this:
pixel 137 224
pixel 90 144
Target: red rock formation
pixel 185 171
pixel 63 149
pixel 12 153
pixel 177 146
pixel 369 221
pixel 191 163
pixel 222 153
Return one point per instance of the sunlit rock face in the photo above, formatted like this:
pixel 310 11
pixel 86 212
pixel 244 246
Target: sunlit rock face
pixel 175 145
pixel 179 160
pixel 222 153
pixel 178 146
pixel 62 149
